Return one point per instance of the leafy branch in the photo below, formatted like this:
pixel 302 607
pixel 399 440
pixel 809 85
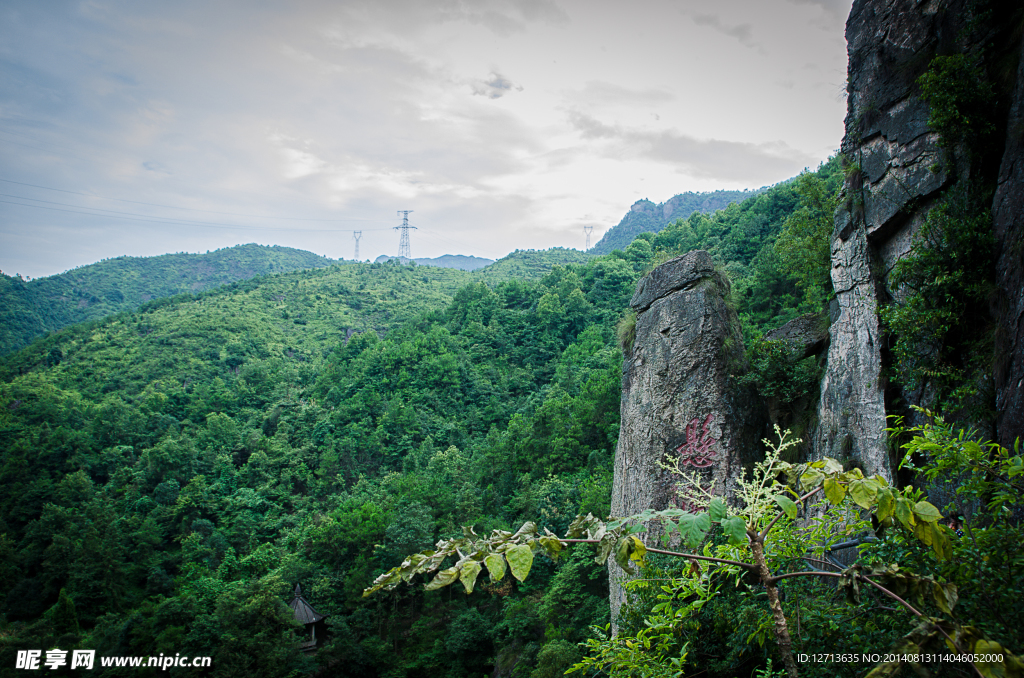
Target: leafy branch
pixel 766 505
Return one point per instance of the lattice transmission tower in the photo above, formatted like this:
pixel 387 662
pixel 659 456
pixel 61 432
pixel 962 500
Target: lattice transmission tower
pixel 357 235
pixel 588 230
pixel 404 250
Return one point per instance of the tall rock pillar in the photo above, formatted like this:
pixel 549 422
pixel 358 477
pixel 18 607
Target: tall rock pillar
pixel 676 395
pixel 895 175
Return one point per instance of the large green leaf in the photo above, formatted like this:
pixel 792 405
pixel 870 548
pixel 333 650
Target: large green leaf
pixel 638 549
pixel 623 549
pixel 905 512
pixel 468 573
pixel 863 492
pixel 1010 666
pixel 604 548
pixel 580 526
pixel 552 546
pixel 926 512
pixel 495 563
pixel 923 531
pixel 945 595
pixel 529 528
pixel 940 541
pixel 830 465
pixel 736 530
pixel 443 578
pixel 811 478
pixel 788 505
pixel 886 504
pixel 520 559
pixel 694 527
pixel 717 510
pixel 835 491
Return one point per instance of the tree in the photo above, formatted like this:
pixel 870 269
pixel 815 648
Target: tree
pixel 763 516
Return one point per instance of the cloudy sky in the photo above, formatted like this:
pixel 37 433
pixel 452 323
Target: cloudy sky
pixel 146 127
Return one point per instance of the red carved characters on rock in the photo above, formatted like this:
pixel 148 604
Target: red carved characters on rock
pixel 697 450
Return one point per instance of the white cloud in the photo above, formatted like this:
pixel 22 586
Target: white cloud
pixel 741 32
pixel 503 123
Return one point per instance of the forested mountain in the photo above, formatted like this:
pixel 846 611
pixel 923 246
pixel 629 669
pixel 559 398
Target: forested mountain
pixel 531 264
pixel 31 309
pixel 646 217
pixel 459 261
pixel 170 473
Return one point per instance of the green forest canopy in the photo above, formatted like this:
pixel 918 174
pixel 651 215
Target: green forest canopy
pixel 171 472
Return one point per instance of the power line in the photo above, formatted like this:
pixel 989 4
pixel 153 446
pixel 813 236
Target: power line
pixel 173 207
pixel 131 216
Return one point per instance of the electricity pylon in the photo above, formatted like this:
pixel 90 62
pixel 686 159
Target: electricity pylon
pixel 357 235
pixel 404 250
pixel 588 230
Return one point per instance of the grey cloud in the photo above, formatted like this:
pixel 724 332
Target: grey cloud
pixel 742 32
pixel 498 23
pixel 495 87
pixel 835 7
pixel 835 11
pixel 601 92
pixel 504 18
pixel 711 158
pixel 542 11
pixel 592 128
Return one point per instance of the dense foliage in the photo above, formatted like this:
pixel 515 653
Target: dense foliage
pixel 953 622
pixel 174 471
pixel 942 328
pixel 170 473
pixel 646 217
pixel 30 309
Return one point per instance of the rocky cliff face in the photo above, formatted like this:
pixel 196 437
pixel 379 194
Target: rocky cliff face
pixel 676 393
pixel 1008 223
pixel 677 398
pixel 898 173
pixel 646 217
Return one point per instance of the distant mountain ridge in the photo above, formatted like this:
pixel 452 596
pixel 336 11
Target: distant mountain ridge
pixel 646 216
pixel 459 261
pixel 31 308
pixel 532 264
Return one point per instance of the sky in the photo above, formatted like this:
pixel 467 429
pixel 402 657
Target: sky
pixel 143 127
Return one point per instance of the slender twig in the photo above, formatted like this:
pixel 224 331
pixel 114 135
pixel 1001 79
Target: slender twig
pixel 691 556
pixel 817 560
pixel 745 566
pixel 764 532
pixel 884 590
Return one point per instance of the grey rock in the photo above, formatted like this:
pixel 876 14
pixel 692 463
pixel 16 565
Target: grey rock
pixel 851 412
pixel 677 395
pixel 899 172
pixel 679 273
pixel 1007 211
pixel 806 335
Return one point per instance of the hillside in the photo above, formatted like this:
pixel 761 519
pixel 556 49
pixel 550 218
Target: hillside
pixel 172 472
pixel 31 309
pixel 460 261
pixel 646 217
pixel 531 264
